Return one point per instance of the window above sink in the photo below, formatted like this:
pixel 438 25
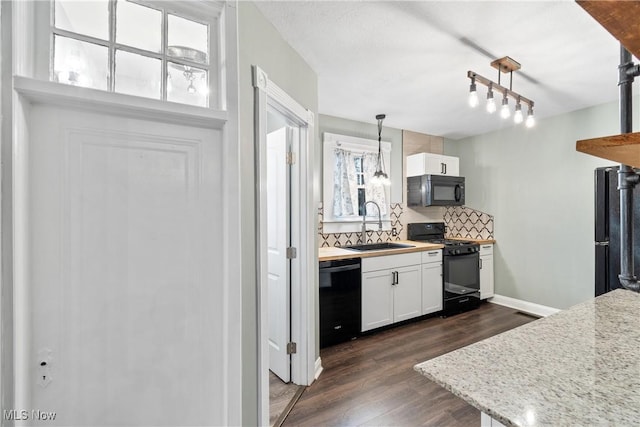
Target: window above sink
pixel 349 164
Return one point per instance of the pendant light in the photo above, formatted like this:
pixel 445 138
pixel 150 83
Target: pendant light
pixel 380 176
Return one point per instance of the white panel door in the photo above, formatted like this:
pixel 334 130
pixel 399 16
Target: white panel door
pixel 124 261
pixel 279 293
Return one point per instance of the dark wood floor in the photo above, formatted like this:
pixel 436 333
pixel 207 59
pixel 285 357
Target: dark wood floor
pixel 371 381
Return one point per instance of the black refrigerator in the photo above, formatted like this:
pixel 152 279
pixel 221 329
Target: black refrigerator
pixel 607 230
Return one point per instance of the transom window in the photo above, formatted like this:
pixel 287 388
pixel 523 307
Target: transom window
pixel 135 48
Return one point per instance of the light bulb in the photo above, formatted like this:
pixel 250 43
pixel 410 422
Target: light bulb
pixel 491 104
pixel 531 121
pixel 504 111
pixel 473 96
pixel 517 117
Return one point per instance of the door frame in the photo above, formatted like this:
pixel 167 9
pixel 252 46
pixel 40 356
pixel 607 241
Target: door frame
pixel 303 228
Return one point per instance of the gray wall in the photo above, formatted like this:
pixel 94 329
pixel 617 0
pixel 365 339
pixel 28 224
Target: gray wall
pixel 340 126
pixel 540 190
pixel 260 44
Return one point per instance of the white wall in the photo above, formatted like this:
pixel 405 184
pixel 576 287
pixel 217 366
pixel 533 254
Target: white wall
pixel 540 190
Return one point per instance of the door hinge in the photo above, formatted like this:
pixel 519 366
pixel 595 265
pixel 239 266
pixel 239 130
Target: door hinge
pixel 291 158
pixel 292 253
pixel 292 348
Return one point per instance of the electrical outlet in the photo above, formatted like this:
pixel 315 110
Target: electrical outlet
pixel 394 232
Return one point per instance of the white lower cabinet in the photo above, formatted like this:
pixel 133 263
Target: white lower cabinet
pixel 486 271
pixel 391 289
pixel 377 299
pixel 406 294
pixel 431 281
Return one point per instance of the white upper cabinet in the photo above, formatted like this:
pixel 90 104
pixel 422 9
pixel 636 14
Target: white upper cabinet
pixel 432 164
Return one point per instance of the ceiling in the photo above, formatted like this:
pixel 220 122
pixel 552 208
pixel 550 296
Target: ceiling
pixel 410 59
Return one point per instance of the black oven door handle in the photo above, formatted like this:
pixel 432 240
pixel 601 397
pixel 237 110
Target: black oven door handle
pixel 458 192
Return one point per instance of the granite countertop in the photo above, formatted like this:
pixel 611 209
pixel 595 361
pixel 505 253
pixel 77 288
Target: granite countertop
pixel 580 366
pixel 332 253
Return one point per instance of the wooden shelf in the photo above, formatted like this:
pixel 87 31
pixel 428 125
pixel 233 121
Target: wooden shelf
pixel 620 18
pixel 623 148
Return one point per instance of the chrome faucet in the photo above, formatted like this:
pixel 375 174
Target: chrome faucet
pixel 363 234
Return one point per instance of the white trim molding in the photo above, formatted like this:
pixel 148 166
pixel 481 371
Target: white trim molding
pixel 118 104
pixel 524 306
pixel 318 368
pixel 304 273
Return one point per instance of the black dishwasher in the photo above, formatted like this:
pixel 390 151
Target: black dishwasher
pixel 340 299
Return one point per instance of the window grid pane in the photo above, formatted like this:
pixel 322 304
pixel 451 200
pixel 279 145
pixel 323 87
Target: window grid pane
pixel 138 26
pixel 83 17
pixel 80 63
pixel 176 80
pixel 137 75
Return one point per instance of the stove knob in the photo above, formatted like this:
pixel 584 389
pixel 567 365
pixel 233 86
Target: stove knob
pixel 457 251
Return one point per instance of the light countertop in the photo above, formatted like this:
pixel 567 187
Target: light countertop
pixel 332 253
pixel 580 366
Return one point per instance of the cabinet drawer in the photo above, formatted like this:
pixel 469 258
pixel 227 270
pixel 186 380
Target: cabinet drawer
pixel 486 249
pixel 432 256
pixel 390 261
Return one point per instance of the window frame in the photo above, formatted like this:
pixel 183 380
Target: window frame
pixel 185 10
pixel 331 224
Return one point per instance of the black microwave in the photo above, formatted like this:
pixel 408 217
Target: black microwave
pixel 435 190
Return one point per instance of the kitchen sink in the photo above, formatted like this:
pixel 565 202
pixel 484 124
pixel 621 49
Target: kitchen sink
pixel 378 246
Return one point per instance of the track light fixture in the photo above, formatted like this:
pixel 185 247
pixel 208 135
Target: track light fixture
pixel 504 65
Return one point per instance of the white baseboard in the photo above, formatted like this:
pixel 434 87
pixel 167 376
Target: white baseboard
pixel 318 368
pixel 524 306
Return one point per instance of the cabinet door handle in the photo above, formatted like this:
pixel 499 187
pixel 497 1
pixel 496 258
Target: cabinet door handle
pixel 434 253
pixel 480 263
pixel 442 171
pixel 394 278
pixel 445 168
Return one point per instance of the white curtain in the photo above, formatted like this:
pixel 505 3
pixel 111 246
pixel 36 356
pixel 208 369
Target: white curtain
pixel 373 192
pixel 345 187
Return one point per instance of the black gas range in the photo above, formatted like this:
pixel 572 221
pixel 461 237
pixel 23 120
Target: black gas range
pixel 461 266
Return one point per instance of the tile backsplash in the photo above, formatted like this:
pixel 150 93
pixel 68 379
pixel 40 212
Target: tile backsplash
pixel 461 221
pixel 468 223
pixel 346 239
